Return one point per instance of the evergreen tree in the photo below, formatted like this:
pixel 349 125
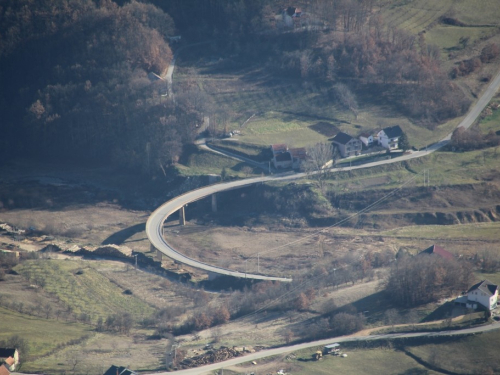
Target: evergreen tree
pixel 404 144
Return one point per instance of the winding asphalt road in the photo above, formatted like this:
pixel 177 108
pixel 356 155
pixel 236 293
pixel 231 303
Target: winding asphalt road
pixel 293 348
pixel 155 222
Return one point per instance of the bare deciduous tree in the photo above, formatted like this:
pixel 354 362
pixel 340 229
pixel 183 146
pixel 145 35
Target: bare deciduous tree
pixel 318 163
pixel 346 98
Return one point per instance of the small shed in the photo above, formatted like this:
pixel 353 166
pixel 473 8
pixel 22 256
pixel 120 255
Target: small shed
pixel 332 348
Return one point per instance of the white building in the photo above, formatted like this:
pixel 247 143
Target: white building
pixel 389 137
pixel 347 145
pixel 484 293
pixel 366 138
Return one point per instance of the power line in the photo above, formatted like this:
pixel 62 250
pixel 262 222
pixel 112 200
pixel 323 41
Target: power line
pixel 341 221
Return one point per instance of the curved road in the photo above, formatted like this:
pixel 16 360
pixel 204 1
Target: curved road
pixel 155 222
pixel 287 349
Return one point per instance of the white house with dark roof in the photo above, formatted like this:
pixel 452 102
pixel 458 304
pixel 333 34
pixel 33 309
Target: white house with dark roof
pixel 389 137
pixel 484 293
pixel 366 138
pixel 347 145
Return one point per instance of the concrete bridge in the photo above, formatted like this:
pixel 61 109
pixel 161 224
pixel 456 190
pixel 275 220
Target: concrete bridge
pixel 155 225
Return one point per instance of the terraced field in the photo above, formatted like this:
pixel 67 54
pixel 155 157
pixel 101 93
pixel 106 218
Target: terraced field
pixel 415 16
pixel 419 15
pixel 82 288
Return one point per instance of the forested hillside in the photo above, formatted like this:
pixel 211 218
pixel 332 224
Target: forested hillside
pixel 76 74
pixel 74 78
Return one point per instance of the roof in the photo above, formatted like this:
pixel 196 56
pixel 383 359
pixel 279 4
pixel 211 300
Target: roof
pixel 115 370
pixel 4 370
pixel 285 156
pixel 298 153
pixel 366 134
pixel 331 346
pixel 7 352
pixel 292 11
pixel 10 361
pixel 342 138
pixel 484 286
pixel 393 131
pixel 279 147
pixel 438 250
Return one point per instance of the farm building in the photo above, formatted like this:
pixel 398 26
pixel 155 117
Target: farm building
pixel 437 250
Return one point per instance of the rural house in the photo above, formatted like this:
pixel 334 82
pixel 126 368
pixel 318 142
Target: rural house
pixel 10 357
pixel 389 137
pixel 4 370
pixel 283 160
pixel 347 145
pixel 278 148
pixel 437 250
pixel 115 370
pixel 299 155
pixel 366 138
pixel 484 293
pixel 281 156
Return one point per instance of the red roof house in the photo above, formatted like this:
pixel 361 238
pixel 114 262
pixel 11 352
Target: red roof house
pixel 438 250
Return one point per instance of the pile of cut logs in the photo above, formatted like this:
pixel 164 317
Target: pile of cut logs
pixel 212 356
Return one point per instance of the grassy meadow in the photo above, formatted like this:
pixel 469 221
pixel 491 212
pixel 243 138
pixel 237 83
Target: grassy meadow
pixel 83 289
pixel 476 354
pixel 43 335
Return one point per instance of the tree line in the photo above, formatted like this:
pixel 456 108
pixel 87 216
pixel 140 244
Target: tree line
pixel 422 279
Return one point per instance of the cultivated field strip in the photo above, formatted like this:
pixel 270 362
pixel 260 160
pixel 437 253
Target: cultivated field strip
pixel 416 17
pixel 83 290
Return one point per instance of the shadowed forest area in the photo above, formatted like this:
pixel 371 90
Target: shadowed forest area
pixel 77 75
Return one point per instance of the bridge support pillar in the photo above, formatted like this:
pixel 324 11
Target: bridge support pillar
pixel 212 276
pixel 214 202
pixel 182 216
pixel 159 256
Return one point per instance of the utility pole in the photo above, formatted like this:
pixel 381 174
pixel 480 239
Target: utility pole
pixel 258 262
pixel 175 346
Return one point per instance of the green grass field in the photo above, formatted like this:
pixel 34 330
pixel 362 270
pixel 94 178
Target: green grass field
pixel 476 354
pixel 200 162
pixel 369 362
pixel 491 122
pixel 89 292
pixel 43 335
pixel 445 168
pixel 418 15
pixel 414 16
pixel 274 127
